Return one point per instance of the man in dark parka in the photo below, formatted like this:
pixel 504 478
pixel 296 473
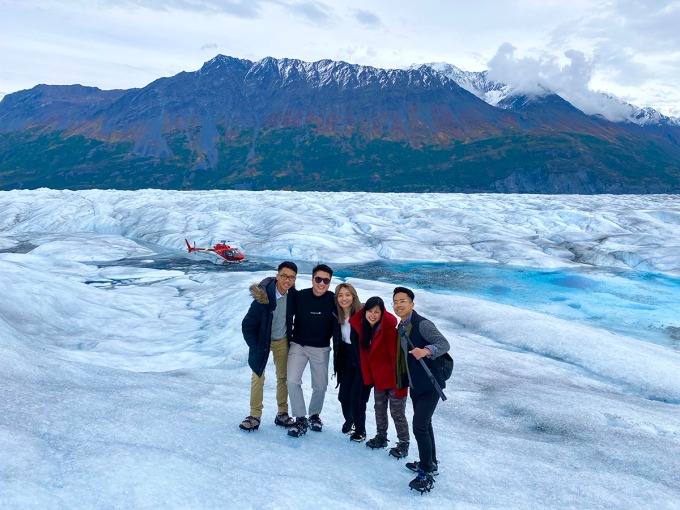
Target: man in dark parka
pixel 267 327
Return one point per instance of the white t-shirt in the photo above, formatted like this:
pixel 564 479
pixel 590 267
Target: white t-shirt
pixel 346 329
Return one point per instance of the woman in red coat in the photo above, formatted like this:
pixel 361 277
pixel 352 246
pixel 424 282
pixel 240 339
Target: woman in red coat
pixel 377 332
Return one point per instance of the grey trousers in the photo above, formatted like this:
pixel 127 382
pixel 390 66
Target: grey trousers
pixel 298 357
pixel 397 410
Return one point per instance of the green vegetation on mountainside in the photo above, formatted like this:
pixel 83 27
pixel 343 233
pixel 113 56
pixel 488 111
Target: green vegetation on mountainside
pixel 297 158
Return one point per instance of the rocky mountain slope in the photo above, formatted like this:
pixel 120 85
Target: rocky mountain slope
pixel 289 124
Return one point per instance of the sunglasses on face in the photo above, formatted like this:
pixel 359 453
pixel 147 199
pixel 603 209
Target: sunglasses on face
pixel 325 281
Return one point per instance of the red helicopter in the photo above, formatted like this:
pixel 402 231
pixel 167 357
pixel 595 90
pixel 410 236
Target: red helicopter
pixel 228 253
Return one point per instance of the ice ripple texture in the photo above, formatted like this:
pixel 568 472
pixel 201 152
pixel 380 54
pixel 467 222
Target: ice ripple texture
pixel 123 387
pixel 641 232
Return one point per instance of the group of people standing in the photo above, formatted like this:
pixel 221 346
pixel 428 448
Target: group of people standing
pixel 373 351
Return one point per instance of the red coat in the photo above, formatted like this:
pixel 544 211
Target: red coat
pixel 379 365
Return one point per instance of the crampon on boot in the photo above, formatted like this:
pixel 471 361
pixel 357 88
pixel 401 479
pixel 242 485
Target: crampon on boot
pixel 357 437
pixel 315 423
pixel 379 441
pixel 250 423
pixel 400 450
pixel 423 482
pixel 299 428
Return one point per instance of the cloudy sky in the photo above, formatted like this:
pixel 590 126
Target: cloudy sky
pixel 629 48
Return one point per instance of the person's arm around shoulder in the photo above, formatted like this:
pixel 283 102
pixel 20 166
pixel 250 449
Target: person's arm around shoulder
pixel 291 298
pixel 333 314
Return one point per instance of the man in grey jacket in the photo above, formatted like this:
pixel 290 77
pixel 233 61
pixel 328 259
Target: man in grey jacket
pixel 420 340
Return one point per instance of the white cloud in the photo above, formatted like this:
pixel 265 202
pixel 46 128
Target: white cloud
pixel 366 18
pixel 239 8
pixel 629 49
pixel 541 74
pixel 313 11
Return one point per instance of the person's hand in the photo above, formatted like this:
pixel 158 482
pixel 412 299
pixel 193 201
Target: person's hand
pixel 420 353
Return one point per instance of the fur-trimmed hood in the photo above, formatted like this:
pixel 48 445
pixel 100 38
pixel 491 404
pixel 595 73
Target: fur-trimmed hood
pixel 259 293
pixel 259 290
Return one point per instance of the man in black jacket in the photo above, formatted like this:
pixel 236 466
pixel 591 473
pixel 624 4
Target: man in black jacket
pixel 267 327
pixel 421 344
pixel 315 317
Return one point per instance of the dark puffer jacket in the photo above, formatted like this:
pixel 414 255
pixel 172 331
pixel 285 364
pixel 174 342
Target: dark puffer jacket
pixel 257 324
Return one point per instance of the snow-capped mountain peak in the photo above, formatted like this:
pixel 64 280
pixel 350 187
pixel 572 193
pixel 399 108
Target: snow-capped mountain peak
pixel 591 103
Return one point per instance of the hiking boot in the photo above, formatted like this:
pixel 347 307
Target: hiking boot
pixel 379 441
pixel 423 482
pixel 357 437
pixel 413 466
pixel 347 428
pixel 315 423
pixel 250 423
pixel 401 450
pixel 283 420
pixel 299 428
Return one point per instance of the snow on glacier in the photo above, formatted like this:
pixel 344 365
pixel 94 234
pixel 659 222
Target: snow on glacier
pixel 123 386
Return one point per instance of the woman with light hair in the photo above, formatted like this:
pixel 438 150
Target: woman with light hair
pixel 346 363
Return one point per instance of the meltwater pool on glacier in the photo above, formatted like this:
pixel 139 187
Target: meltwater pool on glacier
pixel 642 305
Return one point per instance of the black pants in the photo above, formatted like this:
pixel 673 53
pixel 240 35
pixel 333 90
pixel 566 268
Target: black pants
pixel 353 396
pixel 424 405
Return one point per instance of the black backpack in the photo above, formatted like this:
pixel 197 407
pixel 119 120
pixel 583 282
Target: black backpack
pixel 446 362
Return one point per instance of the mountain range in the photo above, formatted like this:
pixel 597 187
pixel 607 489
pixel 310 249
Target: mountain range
pixel 330 126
